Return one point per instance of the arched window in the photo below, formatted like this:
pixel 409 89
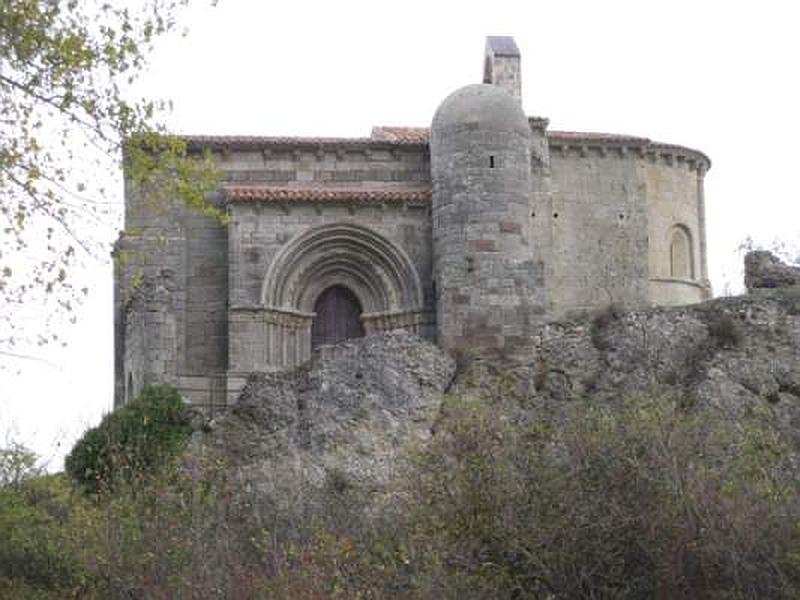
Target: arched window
pixel 338 317
pixel 680 253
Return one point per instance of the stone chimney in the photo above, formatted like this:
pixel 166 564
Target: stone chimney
pixel 502 65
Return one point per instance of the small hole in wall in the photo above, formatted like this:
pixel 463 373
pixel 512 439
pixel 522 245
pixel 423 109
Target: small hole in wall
pixel 533 214
pixel 555 215
pixel 491 161
pixel 621 217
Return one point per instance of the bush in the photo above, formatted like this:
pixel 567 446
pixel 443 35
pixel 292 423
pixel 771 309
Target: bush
pixel 643 498
pixel 39 557
pixel 601 321
pixel 724 330
pixel 639 500
pixel 131 442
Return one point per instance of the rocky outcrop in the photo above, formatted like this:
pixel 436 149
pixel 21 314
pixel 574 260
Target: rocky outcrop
pixel 348 416
pixel 762 269
pixel 341 419
pixel 727 352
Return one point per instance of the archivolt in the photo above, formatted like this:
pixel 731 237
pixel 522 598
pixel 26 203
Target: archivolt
pixel 379 273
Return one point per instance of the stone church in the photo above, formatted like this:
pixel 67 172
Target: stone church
pixel 470 233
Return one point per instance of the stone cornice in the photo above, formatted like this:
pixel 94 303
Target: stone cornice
pixel 394 139
pixel 682 154
pixel 604 144
pixel 690 282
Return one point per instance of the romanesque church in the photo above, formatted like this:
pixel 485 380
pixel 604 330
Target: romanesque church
pixel 471 232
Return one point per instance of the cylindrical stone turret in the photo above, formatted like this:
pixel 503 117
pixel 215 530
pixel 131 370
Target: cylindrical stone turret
pixel 489 287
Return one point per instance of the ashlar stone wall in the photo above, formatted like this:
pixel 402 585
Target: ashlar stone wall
pixel 171 286
pixel 258 234
pixel 676 209
pixel 283 254
pixel 598 221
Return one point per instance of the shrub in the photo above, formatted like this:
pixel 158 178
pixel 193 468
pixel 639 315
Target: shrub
pixel 724 330
pixel 642 498
pixel 131 442
pixel 637 500
pixel 601 321
pixel 39 557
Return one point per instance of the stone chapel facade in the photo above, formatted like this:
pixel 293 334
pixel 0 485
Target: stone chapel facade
pixel 470 233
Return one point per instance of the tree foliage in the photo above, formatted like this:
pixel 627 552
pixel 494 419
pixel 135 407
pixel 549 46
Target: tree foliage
pixel 17 464
pixel 67 69
pixel 39 556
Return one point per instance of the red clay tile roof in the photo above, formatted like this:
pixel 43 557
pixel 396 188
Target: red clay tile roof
pixel 382 135
pixel 252 142
pixel 389 137
pixel 420 135
pixel 317 194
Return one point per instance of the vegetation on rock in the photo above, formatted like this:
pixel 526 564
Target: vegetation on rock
pixel 638 499
pixel 662 465
pixel 646 497
pixel 131 442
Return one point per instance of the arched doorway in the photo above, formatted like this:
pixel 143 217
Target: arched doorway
pixel 338 316
pixel 380 281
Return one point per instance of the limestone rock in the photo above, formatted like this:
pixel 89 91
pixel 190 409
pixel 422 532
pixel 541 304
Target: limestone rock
pixel 346 415
pixel 351 414
pixel 727 353
pixel 762 269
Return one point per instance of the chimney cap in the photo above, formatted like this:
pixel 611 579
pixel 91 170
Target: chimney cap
pixel 502 45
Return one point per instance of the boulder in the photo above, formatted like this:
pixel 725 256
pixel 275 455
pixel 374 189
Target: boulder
pixel 762 269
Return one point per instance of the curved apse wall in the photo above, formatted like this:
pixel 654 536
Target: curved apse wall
pixel 676 227
pixel 617 202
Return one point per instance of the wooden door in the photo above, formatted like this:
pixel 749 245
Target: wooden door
pixel 338 317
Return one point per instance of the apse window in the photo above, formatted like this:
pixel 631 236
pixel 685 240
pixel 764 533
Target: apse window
pixel 680 253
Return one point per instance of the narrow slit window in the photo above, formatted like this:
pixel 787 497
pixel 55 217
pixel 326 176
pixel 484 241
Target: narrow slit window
pixel 491 161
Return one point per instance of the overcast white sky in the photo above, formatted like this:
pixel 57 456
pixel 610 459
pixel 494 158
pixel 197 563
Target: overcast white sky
pixel 719 77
